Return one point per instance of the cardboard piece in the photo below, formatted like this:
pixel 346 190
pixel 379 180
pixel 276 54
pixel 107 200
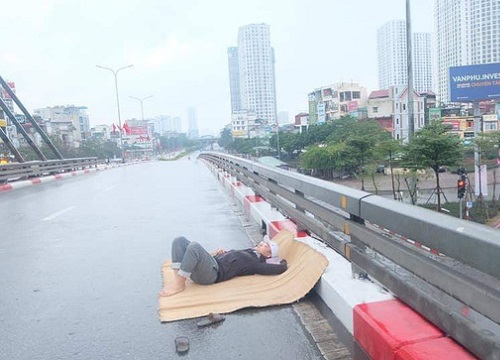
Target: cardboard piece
pixel 305 267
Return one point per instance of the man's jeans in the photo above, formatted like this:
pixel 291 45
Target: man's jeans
pixel 193 261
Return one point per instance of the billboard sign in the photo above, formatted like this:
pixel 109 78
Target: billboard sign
pixel 138 130
pixel 490 117
pixel 352 106
pixel 327 94
pixel 21 119
pixel 455 124
pixel 475 82
pixel 5 94
pixel 321 113
pixel 434 114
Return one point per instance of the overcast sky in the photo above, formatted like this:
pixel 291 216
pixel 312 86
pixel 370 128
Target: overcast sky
pixel 50 49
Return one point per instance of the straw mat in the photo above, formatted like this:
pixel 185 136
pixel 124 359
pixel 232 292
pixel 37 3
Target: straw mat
pixel 305 267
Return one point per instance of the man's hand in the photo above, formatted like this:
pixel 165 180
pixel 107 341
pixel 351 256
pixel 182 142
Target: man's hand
pixel 220 251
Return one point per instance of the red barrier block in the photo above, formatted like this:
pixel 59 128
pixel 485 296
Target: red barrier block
pixel 276 226
pixel 36 181
pixel 5 187
pixel 249 199
pixel 436 349
pixel 383 327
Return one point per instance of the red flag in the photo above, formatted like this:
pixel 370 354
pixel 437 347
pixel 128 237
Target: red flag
pixel 114 128
pixel 126 128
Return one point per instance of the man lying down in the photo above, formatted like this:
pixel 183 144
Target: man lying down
pixel 191 261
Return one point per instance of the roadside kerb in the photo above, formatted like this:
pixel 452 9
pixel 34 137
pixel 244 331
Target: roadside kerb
pixel 15 185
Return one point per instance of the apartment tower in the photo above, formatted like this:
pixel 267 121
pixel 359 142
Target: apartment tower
pixel 392 58
pixel 467 33
pixel 255 82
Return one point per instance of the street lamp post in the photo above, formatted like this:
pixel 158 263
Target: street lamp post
pixel 141 101
pixel 278 138
pixel 115 73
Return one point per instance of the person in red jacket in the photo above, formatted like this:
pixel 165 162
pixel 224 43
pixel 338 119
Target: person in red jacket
pixel 191 261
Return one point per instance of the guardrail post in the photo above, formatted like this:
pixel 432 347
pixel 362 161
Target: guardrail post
pixel 300 227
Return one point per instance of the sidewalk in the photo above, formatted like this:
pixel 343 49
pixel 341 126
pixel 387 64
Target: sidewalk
pixel 447 180
pixel 427 183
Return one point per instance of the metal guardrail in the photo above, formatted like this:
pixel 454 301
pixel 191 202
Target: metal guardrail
pixel 18 171
pixel 456 286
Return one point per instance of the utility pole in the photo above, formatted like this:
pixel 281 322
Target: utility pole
pixel 409 61
pixel 411 118
pixel 477 153
pixel 278 138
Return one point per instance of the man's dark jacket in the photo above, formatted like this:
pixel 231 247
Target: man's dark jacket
pixel 245 262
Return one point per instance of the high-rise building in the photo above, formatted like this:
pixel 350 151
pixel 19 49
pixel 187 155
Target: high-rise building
pixel 177 124
pixel 467 33
pixel 193 132
pixel 422 62
pixel 234 78
pixel 392 57
pixel 255 57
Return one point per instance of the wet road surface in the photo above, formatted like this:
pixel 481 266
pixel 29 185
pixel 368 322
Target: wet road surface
pixel 80 269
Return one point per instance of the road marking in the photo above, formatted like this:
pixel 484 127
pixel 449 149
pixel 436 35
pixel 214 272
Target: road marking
pixel 53 216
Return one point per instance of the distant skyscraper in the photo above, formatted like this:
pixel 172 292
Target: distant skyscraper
pixel 256 72
pixel 234 78
pixel 392 64
pixel 467 33
pixel 422 62
pixel 193 132
pixel 177 124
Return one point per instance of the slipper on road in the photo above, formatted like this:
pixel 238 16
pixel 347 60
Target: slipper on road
pixel 211 319
pixel 181 344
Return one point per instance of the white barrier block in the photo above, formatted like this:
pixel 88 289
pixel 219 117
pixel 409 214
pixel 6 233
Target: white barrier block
pixel 340 291
pixel 262 211
pixel 241 191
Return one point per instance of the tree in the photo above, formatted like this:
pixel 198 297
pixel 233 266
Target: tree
pixel 388 149
pixel 66 151
pixel 327 160
pixel 226 138
pixel 316 134
pixel 362 138
pixel 433 147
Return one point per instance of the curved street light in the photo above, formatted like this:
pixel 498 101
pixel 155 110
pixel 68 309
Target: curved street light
pixel 115 73
pixel 141 101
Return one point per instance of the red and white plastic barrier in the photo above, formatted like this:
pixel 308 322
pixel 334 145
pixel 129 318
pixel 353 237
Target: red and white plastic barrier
pixel 45 179
pixel 383 326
